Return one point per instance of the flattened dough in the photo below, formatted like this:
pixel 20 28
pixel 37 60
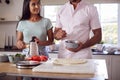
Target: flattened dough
pixel 69 61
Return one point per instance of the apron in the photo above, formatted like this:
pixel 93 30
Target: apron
pixel 82 54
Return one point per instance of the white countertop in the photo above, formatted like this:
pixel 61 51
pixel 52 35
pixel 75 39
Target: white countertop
pixel 11 70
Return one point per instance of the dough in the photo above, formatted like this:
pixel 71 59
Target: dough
pixel 69 61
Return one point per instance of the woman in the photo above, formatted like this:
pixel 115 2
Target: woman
pixel 33 24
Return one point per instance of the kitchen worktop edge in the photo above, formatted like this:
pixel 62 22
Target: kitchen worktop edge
pixel 9 50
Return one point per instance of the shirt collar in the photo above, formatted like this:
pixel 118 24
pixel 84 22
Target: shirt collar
pixel 78 3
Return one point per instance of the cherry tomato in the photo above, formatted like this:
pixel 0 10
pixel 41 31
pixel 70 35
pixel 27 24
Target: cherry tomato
pixel 36 58
pixel 43 58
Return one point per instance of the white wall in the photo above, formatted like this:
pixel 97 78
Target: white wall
pixel 10 31
pixel 12 10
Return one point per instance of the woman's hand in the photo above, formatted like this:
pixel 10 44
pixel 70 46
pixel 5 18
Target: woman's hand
pixel 20 44
pixel 38 41
pixel 76 49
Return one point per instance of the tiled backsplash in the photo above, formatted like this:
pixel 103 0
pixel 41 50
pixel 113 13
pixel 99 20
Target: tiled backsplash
pixel 9 28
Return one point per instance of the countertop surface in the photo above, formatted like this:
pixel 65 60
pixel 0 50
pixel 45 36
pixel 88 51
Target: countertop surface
pixel 11 70
pixel 9 50
pixel 55 52
pixel 95 53
pixel 103 53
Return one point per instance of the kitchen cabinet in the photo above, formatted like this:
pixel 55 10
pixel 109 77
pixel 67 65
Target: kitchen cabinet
pixel 108 62
pixel 8 77
pixel 115 68
pixel 11 11
pixel 113 65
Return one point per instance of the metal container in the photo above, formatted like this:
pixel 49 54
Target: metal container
pixel 71 44
pixel 3 58
pixel 27 64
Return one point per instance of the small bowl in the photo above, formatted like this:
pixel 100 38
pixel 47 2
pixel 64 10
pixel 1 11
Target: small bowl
pixel 15 59
pixel 71 44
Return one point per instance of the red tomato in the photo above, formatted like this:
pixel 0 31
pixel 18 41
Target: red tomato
pixel 43 58
pixel 36 58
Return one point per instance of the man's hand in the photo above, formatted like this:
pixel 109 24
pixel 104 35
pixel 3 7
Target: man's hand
pixel 76 49
pixel 59 34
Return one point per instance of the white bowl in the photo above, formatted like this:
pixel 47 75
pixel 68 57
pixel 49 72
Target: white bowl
pixel 71 44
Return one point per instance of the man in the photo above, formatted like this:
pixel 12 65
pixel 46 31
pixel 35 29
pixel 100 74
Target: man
pixel 75 20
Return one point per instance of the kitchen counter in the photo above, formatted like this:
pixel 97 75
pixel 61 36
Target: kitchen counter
pixel 11 70
pixel 55 52
pixel 94 53
pixel 102 53
pixel 9 50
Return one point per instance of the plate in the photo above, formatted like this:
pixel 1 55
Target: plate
pixel 69 61
pixel 27 64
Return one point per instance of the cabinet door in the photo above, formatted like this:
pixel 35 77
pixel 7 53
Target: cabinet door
pixel 116 67
pixel 108 63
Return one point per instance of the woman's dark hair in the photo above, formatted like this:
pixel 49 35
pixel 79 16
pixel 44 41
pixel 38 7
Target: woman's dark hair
pixel 26 10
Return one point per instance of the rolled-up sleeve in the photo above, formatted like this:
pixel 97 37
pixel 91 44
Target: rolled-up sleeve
pixel 58 22
pixel 94 18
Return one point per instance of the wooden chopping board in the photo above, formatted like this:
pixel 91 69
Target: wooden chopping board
pixel 86 68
